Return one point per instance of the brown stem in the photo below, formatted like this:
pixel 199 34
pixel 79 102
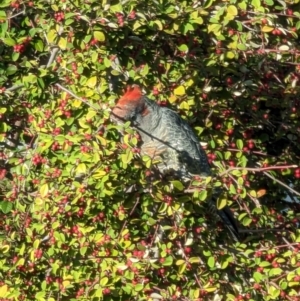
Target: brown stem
pixel 77 97
pixel 258 169
pixel 281 183
pixel 254 152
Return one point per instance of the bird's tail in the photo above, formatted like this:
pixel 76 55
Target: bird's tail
pixel 226 216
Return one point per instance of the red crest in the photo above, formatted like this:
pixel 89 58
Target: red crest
pixel 132 93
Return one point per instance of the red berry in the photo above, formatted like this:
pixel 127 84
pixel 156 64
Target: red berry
pixel 264 21
pixel 229 81
pixel 132 15
pixel 229 132
pixel 230 32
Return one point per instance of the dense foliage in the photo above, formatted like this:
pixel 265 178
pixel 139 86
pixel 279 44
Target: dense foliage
pixel 79 218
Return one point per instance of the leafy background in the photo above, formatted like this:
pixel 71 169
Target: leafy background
pixel 71 226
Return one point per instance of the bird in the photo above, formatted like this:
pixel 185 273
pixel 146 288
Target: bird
pixel 170 141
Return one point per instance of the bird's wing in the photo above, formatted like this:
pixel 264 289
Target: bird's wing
pixel 183 140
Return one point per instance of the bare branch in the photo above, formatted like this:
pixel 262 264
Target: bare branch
pixel 13 88
pixel 19 13
pixel 282 184
pixel 258 169
pixel 54 52
pixel 77 97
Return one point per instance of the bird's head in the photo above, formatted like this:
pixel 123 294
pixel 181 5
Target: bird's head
pixel 131 106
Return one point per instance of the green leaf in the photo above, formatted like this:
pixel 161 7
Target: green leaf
pixel 107 62
pixel 99 36
pixel 81 168
pixel 211 262
pixel 178 185
pixel 225 264
pixel 265 264
pixel 40 296
pixel 267 28
pixel 241 46
pixel 198 20
pixel 40 82
pixel 145 70
pixel 232 10
pixel 6 206
pixel 92 81
pixel 179 90
pixel 239 144
pixel 9 41
pixel 215 28
pixel 194 260
pixel 232 189
pixel 274 292
pixel 91 114
pixel 103 281
pixel 247 221
pixel 183 47
pixel 275 271
pixel 256 3
pixel 168 261
pixel 3 291
pixel 83 251
pixel 203 195
pixel 62 43
pixel 221 203
pixel 242 5
pixel 2 14
pixel 230 54
pixel 188 27
pixel 15 56
pixel 208 3
pixel 11 69
pixel 257 276
pixel 138 287
pixel 182 268
pixel 158 24
pixel 39 45
pixel 180 262
pixel 36 244
pixel 44 190
pixel 206 253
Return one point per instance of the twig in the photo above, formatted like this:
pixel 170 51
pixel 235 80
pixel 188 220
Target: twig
pixel 261 51
pixel 20 13
pixel 15 87
pixel 289 244
pixel 254 152
pixel 208 116
pixel 77 97
pixel 251 29
pixel 187 260
pixel 280 246
pixel 53 55
pixel 258 169
pixel 264 230
pixel 277 14
pixel 255 200
pixel 281 183
pixel 131 212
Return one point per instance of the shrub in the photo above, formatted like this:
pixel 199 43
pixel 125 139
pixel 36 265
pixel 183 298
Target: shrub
pixel 71 227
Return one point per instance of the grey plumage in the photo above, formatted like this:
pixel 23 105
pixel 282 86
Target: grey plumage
pixel 167 138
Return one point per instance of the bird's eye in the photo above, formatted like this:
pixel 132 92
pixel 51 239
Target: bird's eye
pixel 133 118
